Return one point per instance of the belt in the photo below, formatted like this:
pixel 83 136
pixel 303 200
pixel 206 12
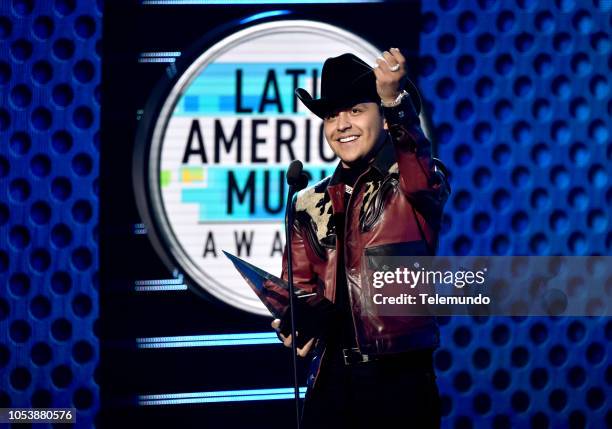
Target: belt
pixel 416 358
pixel 353 356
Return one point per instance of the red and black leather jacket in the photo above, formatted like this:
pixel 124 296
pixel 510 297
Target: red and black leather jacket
pixel 395 209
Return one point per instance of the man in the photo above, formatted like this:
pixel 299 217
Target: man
pixel 384 198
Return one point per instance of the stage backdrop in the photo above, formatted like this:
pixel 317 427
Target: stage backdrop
pixel 519 96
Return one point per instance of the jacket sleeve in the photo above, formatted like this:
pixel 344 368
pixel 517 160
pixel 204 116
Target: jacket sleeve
pixel 304 276
pixel 423 179
pixel 306 280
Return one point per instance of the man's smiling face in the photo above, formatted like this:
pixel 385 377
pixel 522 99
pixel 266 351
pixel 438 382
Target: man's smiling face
pixel 353 133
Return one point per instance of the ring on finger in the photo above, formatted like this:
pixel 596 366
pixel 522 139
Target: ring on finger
pixel 394 68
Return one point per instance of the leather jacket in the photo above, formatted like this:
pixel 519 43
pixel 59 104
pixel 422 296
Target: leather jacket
pixel 395 209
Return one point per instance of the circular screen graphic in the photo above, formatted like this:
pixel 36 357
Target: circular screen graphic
pixel 222 142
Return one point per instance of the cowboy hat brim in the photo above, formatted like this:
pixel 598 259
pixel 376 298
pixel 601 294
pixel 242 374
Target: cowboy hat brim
pixel 323 106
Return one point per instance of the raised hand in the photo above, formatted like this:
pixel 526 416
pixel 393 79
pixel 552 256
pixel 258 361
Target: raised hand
pixel 390 72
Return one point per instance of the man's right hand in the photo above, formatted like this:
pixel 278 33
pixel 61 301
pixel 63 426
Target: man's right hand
pixel 302 352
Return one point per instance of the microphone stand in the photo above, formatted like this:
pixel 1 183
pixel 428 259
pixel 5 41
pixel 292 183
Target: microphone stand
pixel 288 227
pixel 294 187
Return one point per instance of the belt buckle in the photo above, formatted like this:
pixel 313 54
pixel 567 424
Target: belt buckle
pixel 353 355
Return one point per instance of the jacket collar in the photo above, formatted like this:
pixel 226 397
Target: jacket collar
pixel 383 160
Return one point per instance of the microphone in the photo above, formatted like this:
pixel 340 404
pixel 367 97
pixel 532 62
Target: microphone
pixel 302 182
pixel 297 178
pixel 294 172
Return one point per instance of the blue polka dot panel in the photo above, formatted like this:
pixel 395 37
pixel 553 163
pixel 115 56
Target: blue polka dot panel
pixel 49 140
pixel 519 94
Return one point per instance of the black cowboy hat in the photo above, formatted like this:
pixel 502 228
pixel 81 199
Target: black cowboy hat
pixel 345 81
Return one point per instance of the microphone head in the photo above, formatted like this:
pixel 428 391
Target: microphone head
pixel 294 172
pixel 302 182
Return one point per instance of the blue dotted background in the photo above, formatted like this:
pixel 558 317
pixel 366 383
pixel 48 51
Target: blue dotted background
pixel 49 118
pixel 519 92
